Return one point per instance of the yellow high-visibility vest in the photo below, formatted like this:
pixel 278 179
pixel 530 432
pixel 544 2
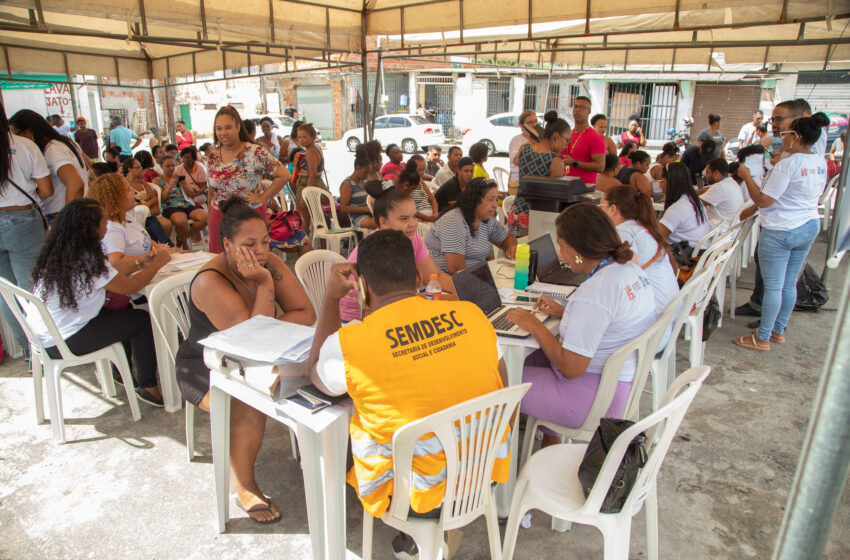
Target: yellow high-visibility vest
pixel 406 361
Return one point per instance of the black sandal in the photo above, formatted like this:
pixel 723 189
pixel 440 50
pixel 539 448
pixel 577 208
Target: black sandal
pixel 258 509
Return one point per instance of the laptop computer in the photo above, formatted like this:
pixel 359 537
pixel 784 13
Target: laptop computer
pixel 549 267
pixel 475 284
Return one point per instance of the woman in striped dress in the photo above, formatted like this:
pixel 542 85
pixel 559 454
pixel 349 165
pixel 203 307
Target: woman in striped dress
pixel 539 158
pixel 352 194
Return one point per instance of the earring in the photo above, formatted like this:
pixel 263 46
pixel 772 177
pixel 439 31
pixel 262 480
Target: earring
pixel 578 259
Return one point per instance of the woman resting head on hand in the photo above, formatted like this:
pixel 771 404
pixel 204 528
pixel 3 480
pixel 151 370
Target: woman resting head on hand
pixel 244 281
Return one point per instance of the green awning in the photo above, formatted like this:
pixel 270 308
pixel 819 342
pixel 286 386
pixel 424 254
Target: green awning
pixel 23 81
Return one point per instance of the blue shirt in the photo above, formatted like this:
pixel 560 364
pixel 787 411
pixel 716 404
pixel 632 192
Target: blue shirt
pixel 121 136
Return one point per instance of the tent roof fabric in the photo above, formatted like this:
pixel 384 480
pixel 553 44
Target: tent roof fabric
pixel 170 38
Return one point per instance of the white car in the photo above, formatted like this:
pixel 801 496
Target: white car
pixel 410 132
pixel 496 131
pixel 282 125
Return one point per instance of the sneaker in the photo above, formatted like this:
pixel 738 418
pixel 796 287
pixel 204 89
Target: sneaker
pixel 116 376
pixel 148 397
pixel 404 547
pixel 747 310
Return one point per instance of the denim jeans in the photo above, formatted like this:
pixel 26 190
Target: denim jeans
pixel 781 256
pixel 21 238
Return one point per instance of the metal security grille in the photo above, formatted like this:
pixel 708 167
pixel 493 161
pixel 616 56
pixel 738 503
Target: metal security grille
pixel 394 86
pixel 315 105
pixel 498 96
pixel 440 99
pixel 653 104
pixel 534 97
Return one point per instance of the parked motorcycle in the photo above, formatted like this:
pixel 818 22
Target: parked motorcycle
pixel 682 138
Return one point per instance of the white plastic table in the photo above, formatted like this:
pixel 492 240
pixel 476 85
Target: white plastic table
pixel 168 380
pixel 514 352
pixel 322 443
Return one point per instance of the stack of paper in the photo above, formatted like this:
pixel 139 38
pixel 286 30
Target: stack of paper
pixel 552 290
pixel 264 339
pixel 185 261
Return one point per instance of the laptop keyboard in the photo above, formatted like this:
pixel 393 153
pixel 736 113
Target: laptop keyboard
pixel 500 323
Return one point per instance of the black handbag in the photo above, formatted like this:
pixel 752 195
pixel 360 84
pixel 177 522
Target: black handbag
pixel 681 251
pixel 811 292
pixel 634 459
pixel 710 318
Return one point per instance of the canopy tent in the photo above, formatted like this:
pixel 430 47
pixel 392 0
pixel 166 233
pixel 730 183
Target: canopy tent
pixel 159 39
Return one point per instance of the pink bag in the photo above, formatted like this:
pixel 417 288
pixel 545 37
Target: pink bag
pixel 283 225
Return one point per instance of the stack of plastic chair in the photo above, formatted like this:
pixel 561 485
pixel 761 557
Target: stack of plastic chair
pixel 313 270
pixel 315 198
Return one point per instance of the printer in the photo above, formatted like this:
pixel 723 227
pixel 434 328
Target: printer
pixel 547 197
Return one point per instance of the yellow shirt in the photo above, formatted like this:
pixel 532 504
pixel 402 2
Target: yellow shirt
pixel 478 171
pixel 406 361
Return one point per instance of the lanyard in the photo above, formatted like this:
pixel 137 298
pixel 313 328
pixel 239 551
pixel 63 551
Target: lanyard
pixel 602 263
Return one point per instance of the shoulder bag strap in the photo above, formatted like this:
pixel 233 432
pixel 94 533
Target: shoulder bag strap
pixel 655 258
pixel 36 204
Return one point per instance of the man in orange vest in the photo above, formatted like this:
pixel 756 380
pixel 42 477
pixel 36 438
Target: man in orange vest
pixel 409 358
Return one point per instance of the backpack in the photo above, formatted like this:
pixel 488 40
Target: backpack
pixel 283 225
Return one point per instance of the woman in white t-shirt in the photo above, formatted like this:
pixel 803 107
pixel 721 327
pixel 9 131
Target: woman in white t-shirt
pixel 634 217
pixel 24 179
pixel 126 244
pixel 788 205
pixel 65 159
pixel 684 216
pixel 71 275
pixel 611 308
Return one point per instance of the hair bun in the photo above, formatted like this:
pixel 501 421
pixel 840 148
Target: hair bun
pixel 820 119
pixel 623 253
pixel 231 203
pixel 375 188
pixel 550 116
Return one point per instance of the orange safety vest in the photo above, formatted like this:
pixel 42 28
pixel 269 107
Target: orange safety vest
pixel 406 361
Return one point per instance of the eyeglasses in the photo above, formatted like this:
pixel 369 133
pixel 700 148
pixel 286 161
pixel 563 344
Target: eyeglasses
pixel 779 119
pixel 787 132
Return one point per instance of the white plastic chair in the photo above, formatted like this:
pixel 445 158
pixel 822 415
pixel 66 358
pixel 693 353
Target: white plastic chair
pixel 663 368
pixel 646 346
pixel 708 239
pixel 469 462
pixel 52 369
pixel 140 214
pixel 742 234
pixel 314 197
pixel 313 270
pixel 549 481
pixel 503 177
pixel 502 213
pixel 423 228
pixel 715 265
pixel 826 202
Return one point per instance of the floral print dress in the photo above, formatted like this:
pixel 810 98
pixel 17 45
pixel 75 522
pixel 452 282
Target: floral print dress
pixel 243 175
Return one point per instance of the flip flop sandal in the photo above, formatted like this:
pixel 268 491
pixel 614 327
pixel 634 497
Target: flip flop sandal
pixel 751 343
pixel 258 509
pixel 777 338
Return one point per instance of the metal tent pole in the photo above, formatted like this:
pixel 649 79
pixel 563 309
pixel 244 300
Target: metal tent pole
pixel 825 456
pixel 835 224
pixel 364 76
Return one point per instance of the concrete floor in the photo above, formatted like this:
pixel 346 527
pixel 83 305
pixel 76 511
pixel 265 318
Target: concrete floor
pixel 121 489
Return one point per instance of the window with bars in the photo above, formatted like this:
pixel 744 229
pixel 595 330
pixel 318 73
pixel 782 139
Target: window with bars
pixel 498 96
pixel 653 104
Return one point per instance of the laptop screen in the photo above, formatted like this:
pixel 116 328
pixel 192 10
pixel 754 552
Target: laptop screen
pixel 547 257
pixel 476 284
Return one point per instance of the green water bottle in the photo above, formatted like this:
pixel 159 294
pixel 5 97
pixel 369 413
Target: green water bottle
pixel 521 271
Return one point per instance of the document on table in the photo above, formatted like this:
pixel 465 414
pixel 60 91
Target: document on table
pixel 264 339
pixel 185 261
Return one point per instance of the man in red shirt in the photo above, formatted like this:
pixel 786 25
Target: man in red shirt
pixel 585 154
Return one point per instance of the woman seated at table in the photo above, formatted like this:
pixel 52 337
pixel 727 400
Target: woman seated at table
pixel 658 170
pixel 243 281
pixel 684 216
pixel 635 174
pixel 126 244
pixel 611 308
pixel 395 209
pixel 72 276
pixel 195 174
pixel 608 177
pixel 463 235
pixel 410 181
pixel 352 194
pixel 627 149
pixel 178 206
pixel 634 217
pixel 143 193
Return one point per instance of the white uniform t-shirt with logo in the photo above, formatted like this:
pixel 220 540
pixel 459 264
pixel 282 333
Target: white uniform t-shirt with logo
pixel 517 142
pixel 610 309
pixel 27 165
pixel 724 198
pixel 660 272
pixel 681 219
pixel 129 238
pixel 70 321
pixel 57 155
pixel 796 184
pixel 819 147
